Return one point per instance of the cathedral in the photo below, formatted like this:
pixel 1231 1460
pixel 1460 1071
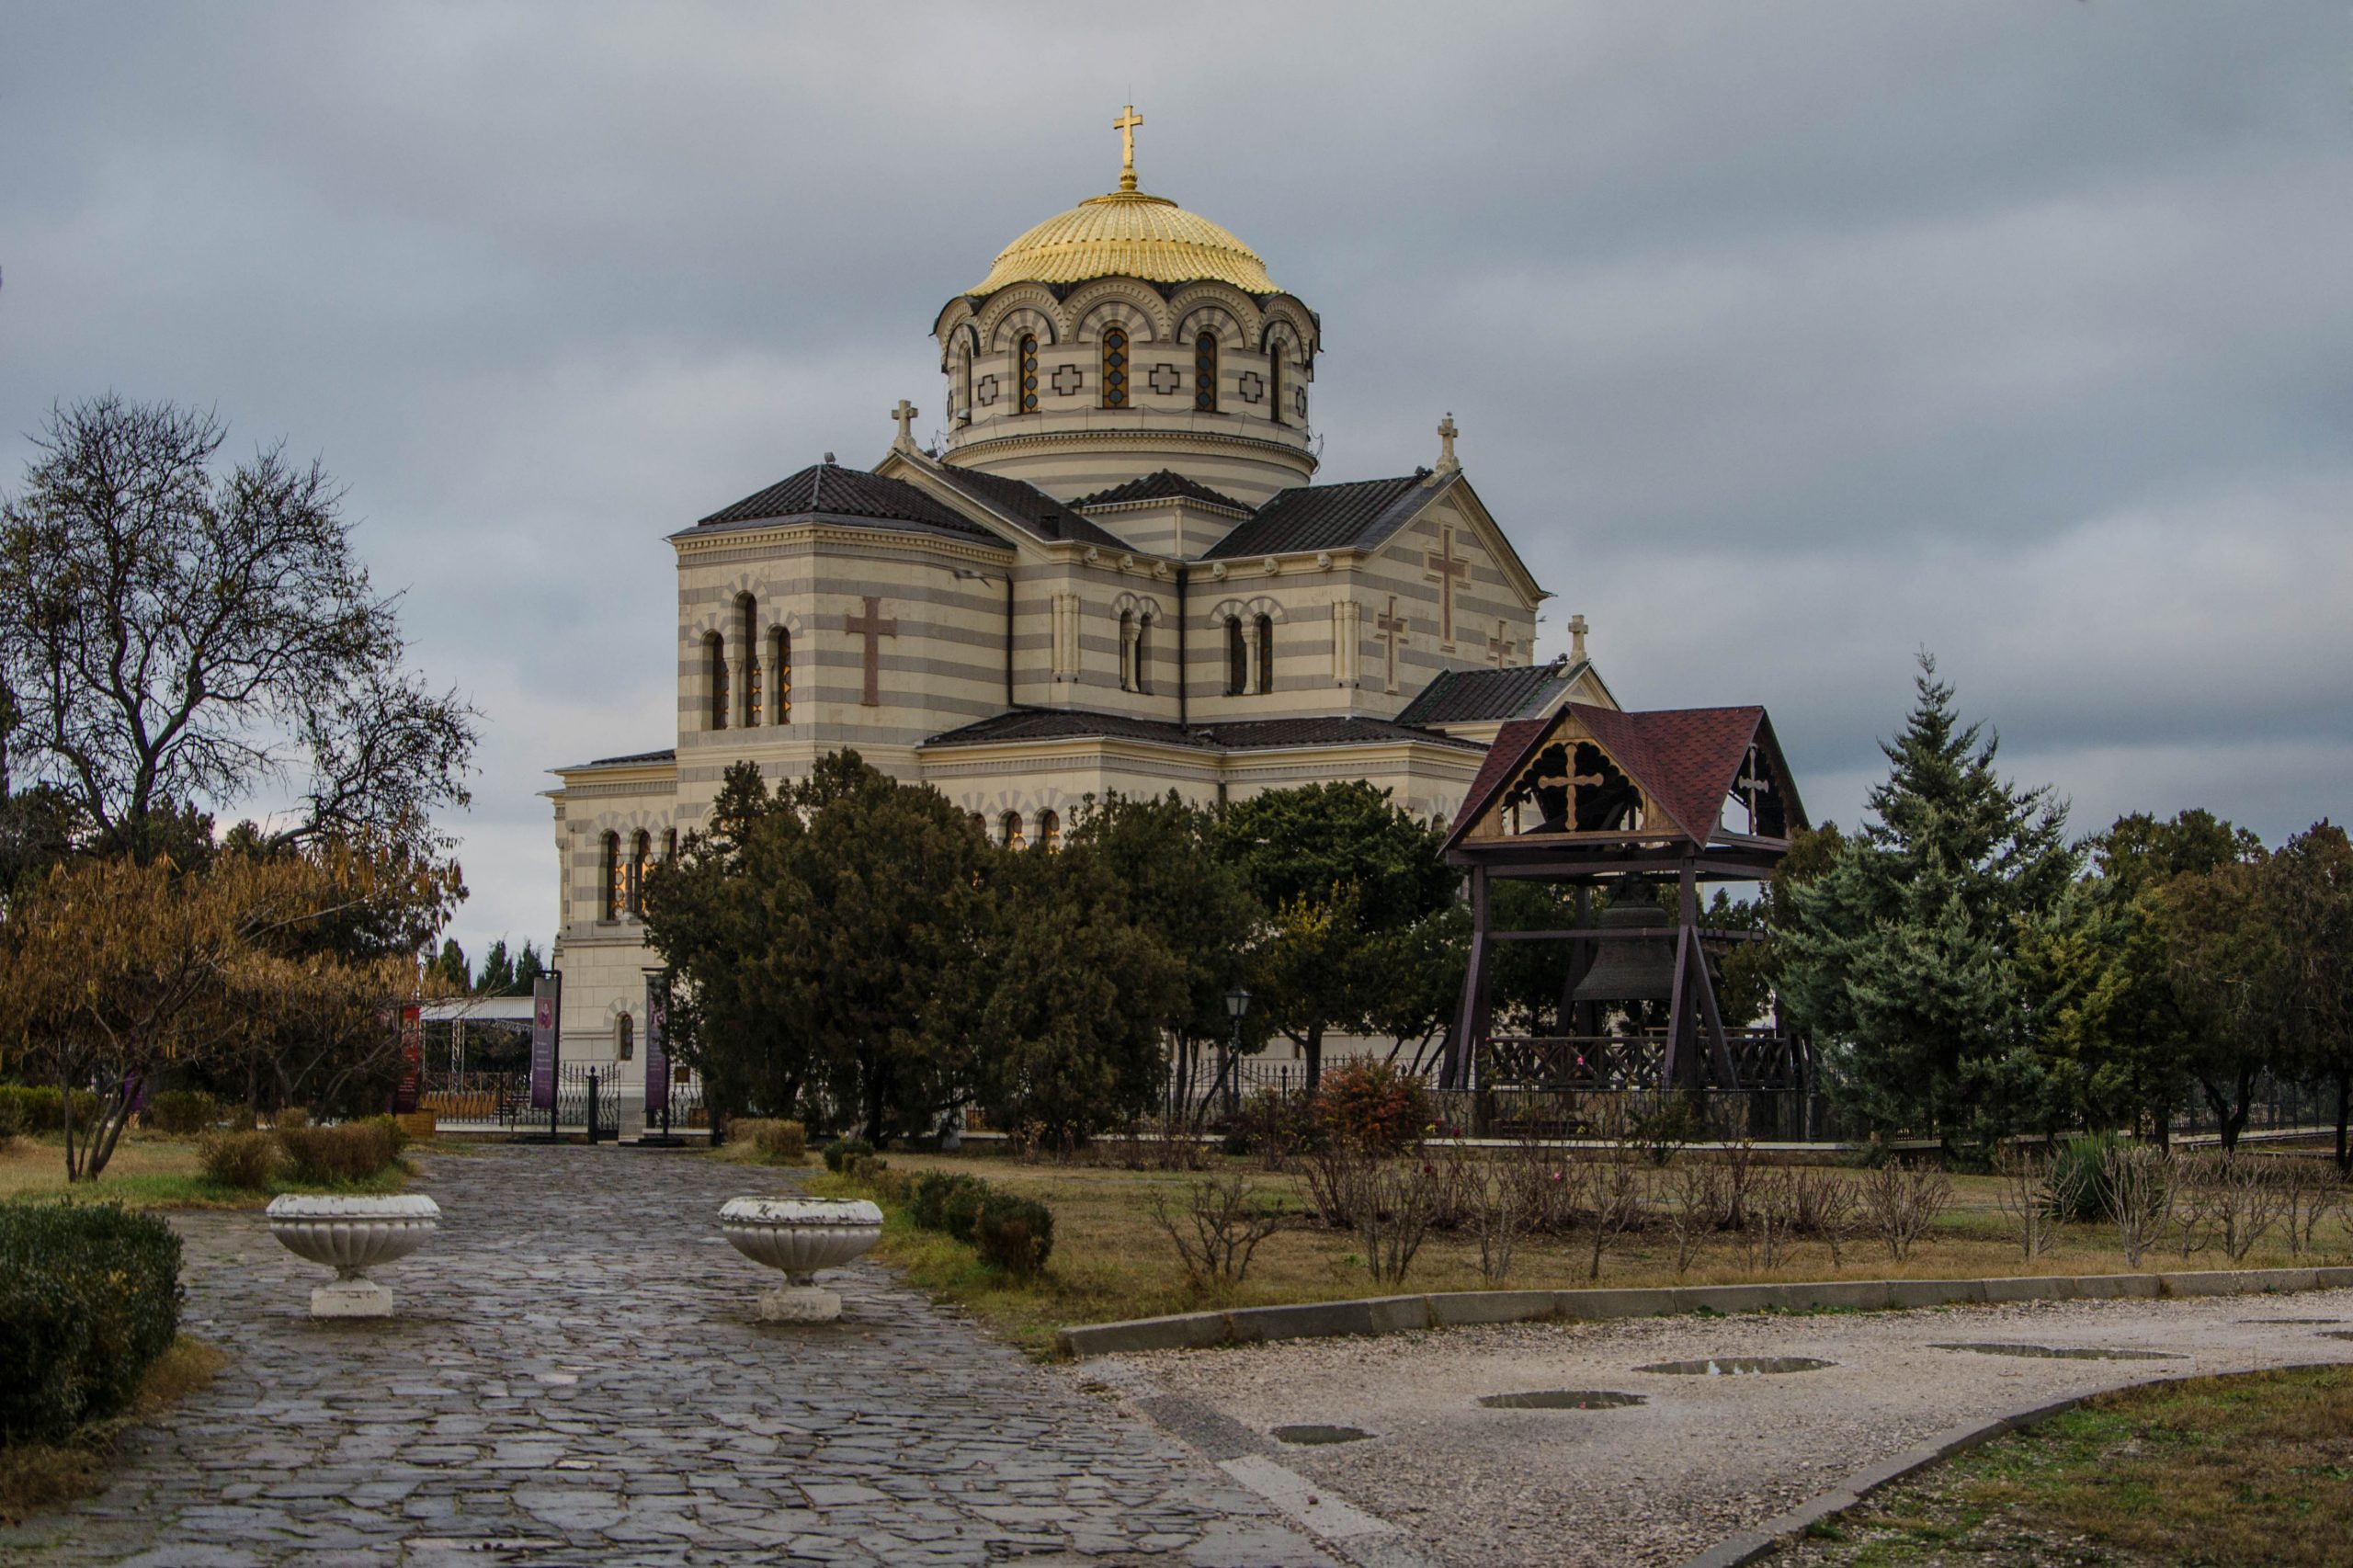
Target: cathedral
pixel 1117 572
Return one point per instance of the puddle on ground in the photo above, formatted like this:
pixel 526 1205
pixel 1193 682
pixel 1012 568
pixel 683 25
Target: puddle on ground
pixel 2336 1334
pixel 1562 1399
pixel 1738 1366
pixel 1313 1435
pixel 2299 1322
pixel 2061 1352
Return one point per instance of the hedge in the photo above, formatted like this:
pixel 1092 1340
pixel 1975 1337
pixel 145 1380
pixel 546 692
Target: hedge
pixel 40 1107
pixel 352 1151
pixel 89 1298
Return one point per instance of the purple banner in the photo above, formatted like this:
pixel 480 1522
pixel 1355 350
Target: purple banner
pixel 547 1010
pixel 406 1092
pixel 657 1048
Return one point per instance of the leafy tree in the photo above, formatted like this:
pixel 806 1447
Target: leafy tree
pixel 2230 971
pixel 529 967
pixel 173 636
pixel 1902 953
pixel 497 976
pixel 1071 993
pixel 2309 894
pixel 450 970
pixel 1339 870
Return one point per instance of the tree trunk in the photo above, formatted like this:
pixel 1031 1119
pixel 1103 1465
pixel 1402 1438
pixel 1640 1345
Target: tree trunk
pixel 2344 1113
pixel 1315 1046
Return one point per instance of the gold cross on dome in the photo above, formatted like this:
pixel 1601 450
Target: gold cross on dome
pixel 1126 126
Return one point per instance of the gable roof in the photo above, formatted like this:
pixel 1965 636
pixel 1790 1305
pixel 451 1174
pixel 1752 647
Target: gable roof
pixel 1026 505
pixel 1241 734
pixel 827 490
pixel 1685 759
pixel 1328 517
pixel 1473 697
pixel 1164 485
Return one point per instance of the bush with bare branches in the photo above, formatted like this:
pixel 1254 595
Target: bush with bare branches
pixel 2249 1197
pixel 1225 1219
pixel 1497 1220
pixel 1823 1204
pixel 2140 1182
pixel 1900 1202
pixel 2036 1191
pixel 2312 1191
pixel 1692 1203
pixel 1614 1196
pixel 1393 1202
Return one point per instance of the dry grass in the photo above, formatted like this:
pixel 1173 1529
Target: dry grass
pixel 1111 1261
pixel 149 1171
pixel 2248 1471
pixel 40 1475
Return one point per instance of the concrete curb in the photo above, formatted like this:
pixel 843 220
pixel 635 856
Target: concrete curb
pixel 1398 1315
pixel 1755 1545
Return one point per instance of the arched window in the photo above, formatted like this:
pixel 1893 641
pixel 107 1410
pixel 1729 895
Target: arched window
pixel 749 614
pixel 780 655
pixel 1238 658
pixel 1050 833
pixel 1009 831
pixel 714 659
pixel 640 866
pixel 1266 653
pixel 964 386
pixel 624 1038
pixel 1143 653
pixel 669 845
pixel 616 878
pixel 1127 649
pixel 1275 380
pixel 1205 372
pixel 980 824
pixel 1115 367
pixel 1025 371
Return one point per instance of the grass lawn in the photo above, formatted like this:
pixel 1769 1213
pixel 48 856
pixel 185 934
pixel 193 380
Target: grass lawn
pixel 150 1171
pixel 2247 1471
pixel 1111 1261
pixel 41 1475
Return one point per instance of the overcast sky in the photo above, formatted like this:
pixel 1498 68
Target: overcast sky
pixel 1786 339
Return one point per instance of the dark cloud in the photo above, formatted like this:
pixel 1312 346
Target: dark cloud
pixel 1786 339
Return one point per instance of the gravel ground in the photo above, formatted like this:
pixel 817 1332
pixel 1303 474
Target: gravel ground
pixel 1705 1456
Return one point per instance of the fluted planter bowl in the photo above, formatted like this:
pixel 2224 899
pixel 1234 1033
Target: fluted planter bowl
pixel 352 1236
pixel 799 1236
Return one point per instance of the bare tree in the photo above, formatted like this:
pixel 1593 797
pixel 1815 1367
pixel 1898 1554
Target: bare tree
pixel 2140 1196
pixel 172 637
pixel 2035 1191
pixel 1900 1202
pixel 1226 1218
pixel 1694 1201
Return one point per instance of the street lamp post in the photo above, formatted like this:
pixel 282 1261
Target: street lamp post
pixel 1237 1003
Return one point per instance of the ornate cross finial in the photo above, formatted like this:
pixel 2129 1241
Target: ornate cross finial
pixel 1577 629
pixel 905 415
pixel 1446 460
pixel 1126 126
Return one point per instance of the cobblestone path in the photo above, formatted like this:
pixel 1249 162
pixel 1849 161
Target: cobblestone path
pixel 576 1376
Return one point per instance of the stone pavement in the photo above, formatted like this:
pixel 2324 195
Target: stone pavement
pixel 577 1377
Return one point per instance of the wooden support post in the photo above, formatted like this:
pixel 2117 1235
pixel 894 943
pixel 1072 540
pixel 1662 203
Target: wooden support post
pixel 1674 1068
pixel 1581 961
pixel 1471 1018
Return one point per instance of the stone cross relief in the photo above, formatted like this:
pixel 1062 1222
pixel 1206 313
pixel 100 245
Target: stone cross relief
pixel 1393 628
pixel 1500 647
pixel 1443 566
pixel 905 415
pixel 872 626
pixel 1446 432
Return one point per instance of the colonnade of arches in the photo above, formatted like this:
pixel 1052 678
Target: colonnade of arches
pixel 750 683
pixel 627 864
pixel 1010 831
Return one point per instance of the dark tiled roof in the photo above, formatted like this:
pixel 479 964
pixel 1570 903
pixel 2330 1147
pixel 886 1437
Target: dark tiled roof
pixel 1164 485
pixel 1245 734
pixel 1685 758
pixel 668 753
pixel 1503 757
pixel 1030 507
pixel 1471 696
pixel 1325 517
pixel 827 490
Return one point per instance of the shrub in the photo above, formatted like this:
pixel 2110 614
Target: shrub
pixel 244 1160
pixel 867 1168
pixel 839 1150
pixel 1016 1234
pixel 41 1109
pixel 352 1151
pixel 1373 1107
pixel 182 1113
pixel 962 1211
pixel 12 1121
pixel 2079 1177
pixel 1228 1216
pixel 290 1116
pixel 785 1142
pixel 928 1198
pixel 89 1298
pixel 889 1184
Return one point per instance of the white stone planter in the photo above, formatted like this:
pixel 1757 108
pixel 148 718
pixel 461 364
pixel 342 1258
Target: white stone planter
pixel 352 1236
pixel 800 1235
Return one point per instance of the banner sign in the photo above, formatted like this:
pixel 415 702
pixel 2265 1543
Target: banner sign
pixel 412 1080
pixel 547 1007
pixel 657 1048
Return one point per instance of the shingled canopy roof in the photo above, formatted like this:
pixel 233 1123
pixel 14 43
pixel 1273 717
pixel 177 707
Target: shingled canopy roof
pixel 1327 516
pixel 1164 485
pixel 828 491
pixel 1058 724
pixel 1685 759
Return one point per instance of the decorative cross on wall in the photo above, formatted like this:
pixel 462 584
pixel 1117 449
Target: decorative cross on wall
pixel 1066 379
pixel 872 626
pixel 1500 647
pixel 1443 566
pixel 1393 628
pixel 1569 782
pixel 1750 784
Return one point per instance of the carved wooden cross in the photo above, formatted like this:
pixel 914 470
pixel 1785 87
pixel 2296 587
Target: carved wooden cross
pixel 1446 567
pixel 872 626
pixel 1393 628
pixel 1750 784
pixel 905 415
pixel 1499 648
pixel 1569 780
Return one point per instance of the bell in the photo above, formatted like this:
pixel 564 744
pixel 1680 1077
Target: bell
pixel 1630 968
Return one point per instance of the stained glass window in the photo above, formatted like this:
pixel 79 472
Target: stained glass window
pixel 1028 357
pixel 640 865
pixel 616 878
pixel 1237 659
pixel 1205 372
pixel 1115 367
pixel 1275 381
pixel 1050 832
pixel 1266 653
pixel 780 646
pixel 750 614
pixel 715 654
pixel 1010 829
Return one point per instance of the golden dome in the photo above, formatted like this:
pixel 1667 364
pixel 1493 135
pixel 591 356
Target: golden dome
pixel 1129 234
